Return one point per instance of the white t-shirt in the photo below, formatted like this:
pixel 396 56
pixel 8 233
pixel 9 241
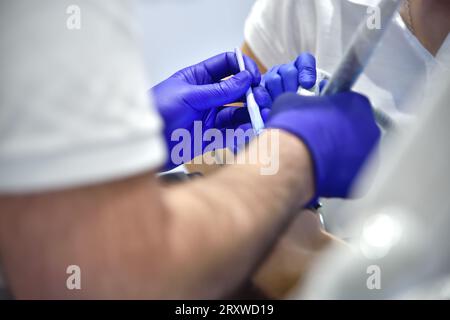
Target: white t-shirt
pixel 278 30
pixel 74 108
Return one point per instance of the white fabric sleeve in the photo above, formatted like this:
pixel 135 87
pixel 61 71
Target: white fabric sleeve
pixel 74 109
pixel 278 30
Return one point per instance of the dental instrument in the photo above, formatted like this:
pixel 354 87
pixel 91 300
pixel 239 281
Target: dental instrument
pixel 253 108
pixel 358 55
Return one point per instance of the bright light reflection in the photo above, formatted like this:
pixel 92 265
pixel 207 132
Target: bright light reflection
pixel 380 233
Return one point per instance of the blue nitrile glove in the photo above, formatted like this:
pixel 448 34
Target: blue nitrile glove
pixel 339 131
pixel 239 119
pixel 195 94
pixel 289 77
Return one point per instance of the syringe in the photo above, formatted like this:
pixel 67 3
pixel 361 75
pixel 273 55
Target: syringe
pixel 253 108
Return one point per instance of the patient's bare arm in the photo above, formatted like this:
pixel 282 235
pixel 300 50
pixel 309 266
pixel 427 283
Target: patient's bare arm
pixel 134 239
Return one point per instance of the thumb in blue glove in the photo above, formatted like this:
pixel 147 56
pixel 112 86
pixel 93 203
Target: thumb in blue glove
pixel 339 131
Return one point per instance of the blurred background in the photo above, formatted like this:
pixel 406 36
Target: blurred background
pixel 188 31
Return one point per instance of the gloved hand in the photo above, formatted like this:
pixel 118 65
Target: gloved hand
pixel 339 131
pixel 197 93
pixel 238 118
pixel 280 79
pixel 289 77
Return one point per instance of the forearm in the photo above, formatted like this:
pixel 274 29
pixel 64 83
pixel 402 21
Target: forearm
pixel 229 220
pixel 289 263
pixel 130 243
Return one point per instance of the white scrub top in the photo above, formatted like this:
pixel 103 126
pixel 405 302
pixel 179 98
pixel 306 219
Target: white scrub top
pixel 74 108
pixel 399 72
pixel 403 224
pixel 279 30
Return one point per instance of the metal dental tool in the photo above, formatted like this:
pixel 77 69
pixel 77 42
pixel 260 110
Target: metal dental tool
pixel 358 55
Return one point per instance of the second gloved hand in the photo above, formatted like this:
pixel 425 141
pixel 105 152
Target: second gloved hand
pixel 339 131
pixel 289 77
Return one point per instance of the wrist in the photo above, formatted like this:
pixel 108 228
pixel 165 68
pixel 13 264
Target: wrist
pixel 307 133
pixel 295 155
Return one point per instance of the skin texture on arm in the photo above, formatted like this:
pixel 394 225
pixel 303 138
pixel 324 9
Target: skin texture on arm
pixel 134 239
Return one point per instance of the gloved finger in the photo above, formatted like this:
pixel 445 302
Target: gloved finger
pixel 290 77
pixel 252 67
pixel 245 127
pixel 241 137
pixel 271 71
pixel 221 93
pixel 232 117
pixel 265 114
pixel 273 83
pixel 262 97
pixel 225 65
pixel 307 72
pixel 322 85
pixel 209 119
